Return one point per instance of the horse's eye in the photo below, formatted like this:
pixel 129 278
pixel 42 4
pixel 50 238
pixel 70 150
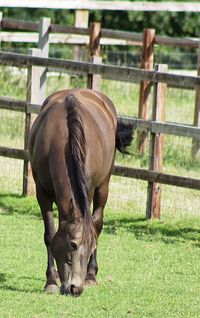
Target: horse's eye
pixel 69 263
pixel 74 246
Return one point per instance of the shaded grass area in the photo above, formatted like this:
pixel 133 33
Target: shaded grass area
pixel 15 203
pixel 145 269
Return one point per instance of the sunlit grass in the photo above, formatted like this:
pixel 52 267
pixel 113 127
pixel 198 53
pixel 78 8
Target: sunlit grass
pixel 145 269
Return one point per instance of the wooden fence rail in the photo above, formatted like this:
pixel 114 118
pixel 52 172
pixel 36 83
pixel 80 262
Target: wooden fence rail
pixel 121 171
pixel 14 153
pixel 138 124
pixel 130 38
pixel 152 176
pixel 126 74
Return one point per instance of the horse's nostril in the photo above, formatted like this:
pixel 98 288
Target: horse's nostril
pixel 75 291
pixel 63 290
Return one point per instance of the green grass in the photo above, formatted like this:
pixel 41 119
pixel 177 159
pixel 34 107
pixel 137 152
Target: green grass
pixel 145 269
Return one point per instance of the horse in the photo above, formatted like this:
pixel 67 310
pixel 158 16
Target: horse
pixel 72 149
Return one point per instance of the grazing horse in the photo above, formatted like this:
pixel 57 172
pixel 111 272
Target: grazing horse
pixel 72 150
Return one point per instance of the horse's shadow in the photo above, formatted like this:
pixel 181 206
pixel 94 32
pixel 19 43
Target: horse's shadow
pixel 5 285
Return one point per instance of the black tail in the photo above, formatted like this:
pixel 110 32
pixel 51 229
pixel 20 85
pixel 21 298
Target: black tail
pixel 77 152
pixel 124 136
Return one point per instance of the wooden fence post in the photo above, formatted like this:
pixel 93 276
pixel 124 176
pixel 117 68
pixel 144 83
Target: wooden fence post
pixel 145 86
pixel 94 80
pixel 156 147
pixel 81 21
pixel 43 45
pixel 1 17
pixel 195 141
pixel 33 96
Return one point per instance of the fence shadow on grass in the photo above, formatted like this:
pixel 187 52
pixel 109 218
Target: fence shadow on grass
pixel 155 231
pixel 169 233
pixel 15 203
pixel 14 288
pixel 24 205
pixel 28 281
pixel 2 278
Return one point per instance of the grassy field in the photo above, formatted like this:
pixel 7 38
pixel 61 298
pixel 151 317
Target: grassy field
pixel 145 269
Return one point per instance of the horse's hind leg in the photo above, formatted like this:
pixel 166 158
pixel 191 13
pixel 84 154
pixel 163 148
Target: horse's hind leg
pixel 99 202
pixel 46 206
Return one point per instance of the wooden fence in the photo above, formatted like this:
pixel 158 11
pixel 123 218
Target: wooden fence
pixel 61 34
pixel 83 7
pixel 39 64
pixel 159 78
pixel 45 33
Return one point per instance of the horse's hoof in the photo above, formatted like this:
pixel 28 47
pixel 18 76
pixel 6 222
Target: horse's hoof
pixel 51 289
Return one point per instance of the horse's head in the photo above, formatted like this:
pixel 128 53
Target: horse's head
pixel 72 247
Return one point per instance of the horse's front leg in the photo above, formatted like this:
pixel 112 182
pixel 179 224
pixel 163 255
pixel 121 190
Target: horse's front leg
pixel 99 202
pixel 46 206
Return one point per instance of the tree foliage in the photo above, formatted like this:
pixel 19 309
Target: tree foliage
pixel 166 23
pixel 174 24
pixel 178 24
pixel 65 17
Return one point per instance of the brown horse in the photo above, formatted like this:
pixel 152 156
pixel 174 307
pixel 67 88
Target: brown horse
pixel 72 151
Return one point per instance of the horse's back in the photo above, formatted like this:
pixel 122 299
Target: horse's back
pixel 98 115
pixel 99 122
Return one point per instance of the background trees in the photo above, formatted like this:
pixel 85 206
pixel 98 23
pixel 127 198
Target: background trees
pixel 176 24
